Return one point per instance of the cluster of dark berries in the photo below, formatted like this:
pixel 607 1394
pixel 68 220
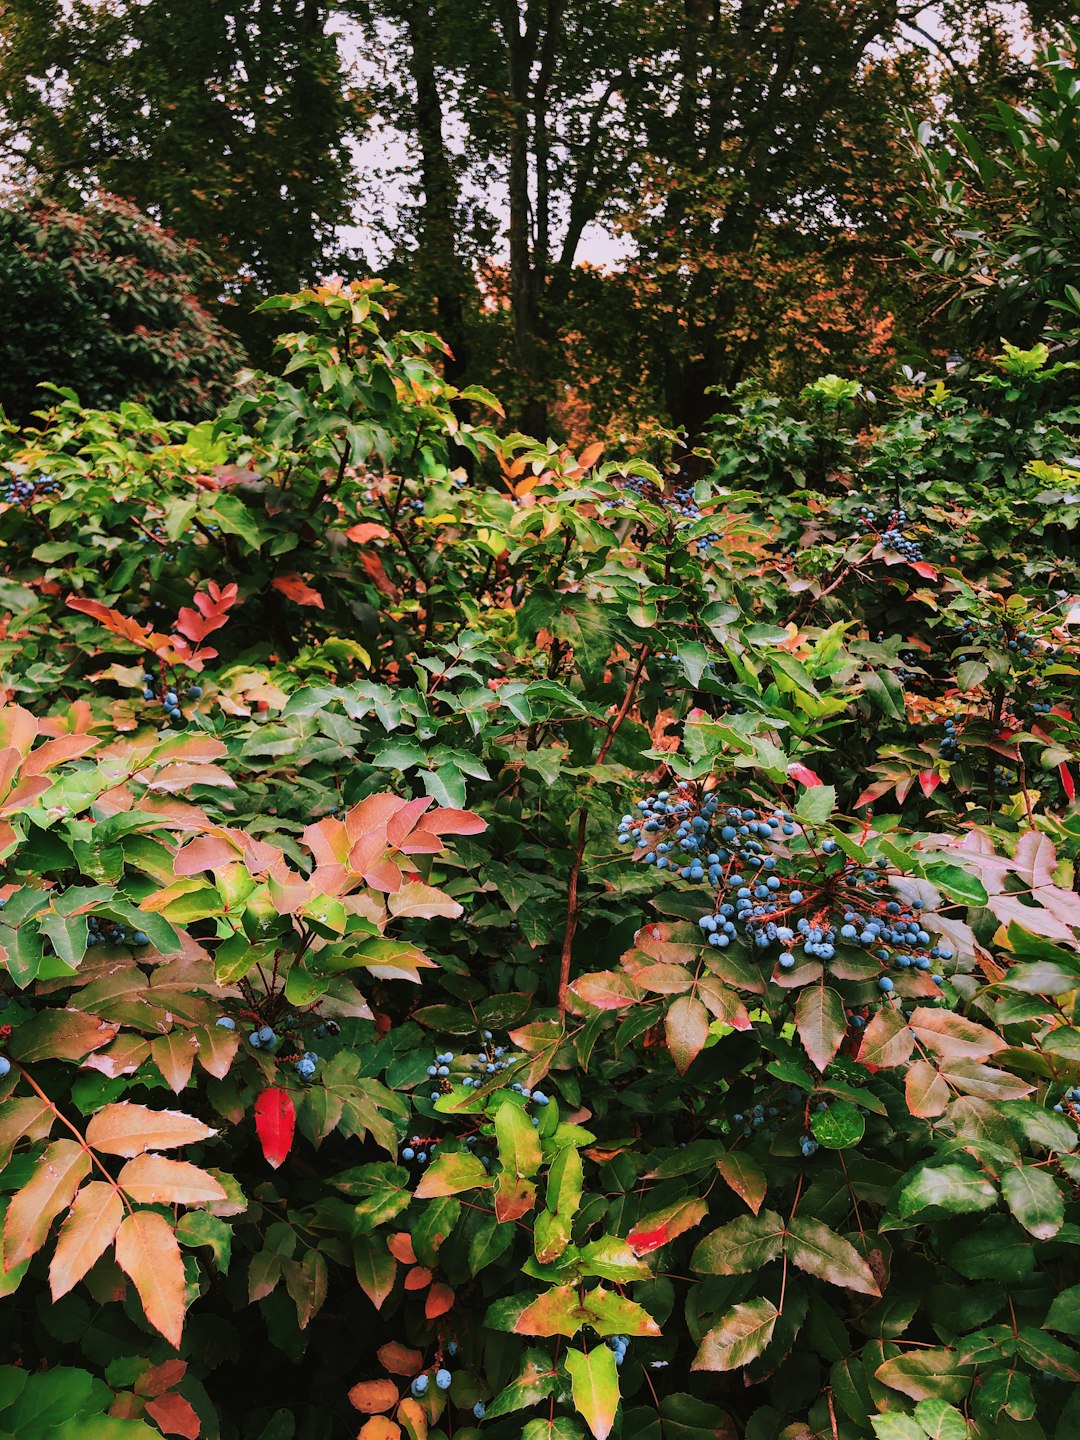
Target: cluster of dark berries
pixel 20 489
pixel 950 743
pixel 111 932
pixel 618 1345
pixel 170 700
pixel 443 1380
pixel 681 502
pixel 769 1117
pixel 893 536
pixel 671 831
pixel 744 854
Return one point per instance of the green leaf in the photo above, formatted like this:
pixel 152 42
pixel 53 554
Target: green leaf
pixel 820 1021
pixel 534 1382
pixel 1064 1312
pixel 955 1189
pixel 897 1427
pixel 839 1127
pixel 956 883
pixel 816 804
pixel 970 674
pixel 996 1251
pixel 450 1173
pixel 1043 1352
pixel 594 1384
pixel 940 1420
pixel 745 1244
pixel 517 1140
pixel 813 1247
pixel 741 1336
pixel 1034 1199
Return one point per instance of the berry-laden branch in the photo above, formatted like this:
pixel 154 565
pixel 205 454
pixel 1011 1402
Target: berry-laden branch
pixel 573 904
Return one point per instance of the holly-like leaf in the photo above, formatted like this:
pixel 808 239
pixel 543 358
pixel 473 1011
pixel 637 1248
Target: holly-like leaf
pixel 450 1173
pixel 686 1029
pixel 887 1040
pixel 275 1123
pixel 745 1244
pixel 1034 1199
pixel 821 1023
pixel 148 1253
pixel 738 1338
pixel 594 1385
pixel 174 1415
pixel 661 1226
pixel 62 1168
pixel 956 1189
pixel 926 1092
pixel 85 1235
pixel 745 1176
pixel 813 1247
pixel 128 1129
pixel 154 1180
pixel 297 590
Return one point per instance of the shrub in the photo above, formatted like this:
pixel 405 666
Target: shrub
pixel 645 909
pixel 106 303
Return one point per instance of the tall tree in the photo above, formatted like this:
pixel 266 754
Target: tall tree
pixel 227 120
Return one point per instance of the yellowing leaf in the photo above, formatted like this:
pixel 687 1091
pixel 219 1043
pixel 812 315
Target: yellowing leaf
pixel 85 1235
pixel 594 1381
pixel 372 1397
pixel 154 1180
pixel 147 1252
pixel 127 1129
pixel 379 1428
pixel 49 1191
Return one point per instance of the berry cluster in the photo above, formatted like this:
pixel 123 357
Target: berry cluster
pixel 893 536
pixel 443 1380
pixel 746 859
pixel 169 699
pixel 19 490
pixel 111 932
pixel 682 502
pixel 618 1345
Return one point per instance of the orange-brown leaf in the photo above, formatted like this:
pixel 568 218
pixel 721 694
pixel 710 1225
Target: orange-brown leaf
pixel 85 1235
pixel 127 1129
pixel 147 1252
pixel 379 1427
pixel 154 1180
pixel 298 590
pixel 49 1191
pixel 399 1359
pixel 174 1055
pixel 374 1397
pixel 439 1299
pixel 160 1378
pixel 401 1247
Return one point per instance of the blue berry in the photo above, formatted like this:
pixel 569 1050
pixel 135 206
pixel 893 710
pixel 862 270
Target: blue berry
pixel 5 1066
pixel 226 1022
pixel 479 1409
pixel 419 1386
pixel 443 1379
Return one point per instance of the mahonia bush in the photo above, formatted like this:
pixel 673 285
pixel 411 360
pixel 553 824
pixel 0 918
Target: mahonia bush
pixel 564 947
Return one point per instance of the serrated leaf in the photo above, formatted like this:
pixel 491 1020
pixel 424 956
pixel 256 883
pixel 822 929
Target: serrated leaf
pixel 127 1129
pixel 956 1189
pixel 88 1231
pixel 148 1253
pixel 813 1247
pixel 450 1173
pixel 59 1172
pixel 686 1029
pixel 821 1023
pixel 745 1244
pixel 738 1338
pixel 594 1385
pixel 155 1180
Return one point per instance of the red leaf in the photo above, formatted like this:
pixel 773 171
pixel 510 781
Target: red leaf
pixel 1067 780
pixel 296 589
pixel 928 782
pixel 275 1121
pixel 174 1415
pixel 377 574
pixel 923 568
pixel 806 777
pixel 440 1299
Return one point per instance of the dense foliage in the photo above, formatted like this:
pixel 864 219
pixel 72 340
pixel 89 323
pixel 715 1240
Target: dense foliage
pixel 586 947
pixel 103 301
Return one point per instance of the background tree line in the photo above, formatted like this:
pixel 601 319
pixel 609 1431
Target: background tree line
pixel 754 157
